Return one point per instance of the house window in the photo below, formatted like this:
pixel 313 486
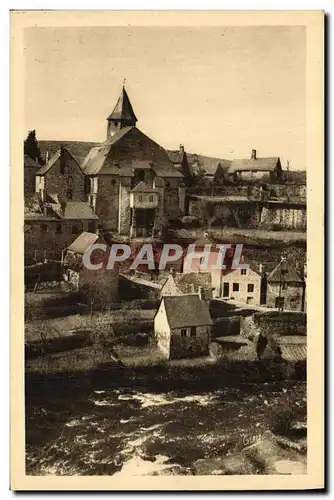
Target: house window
pixel 151 198
pixel 44 228
pixel 75 229
pixel 183 332
pixel 59 229
pixel 91 227
pixel 284 286
pixel 70 181
pixel 70 194
pixel 243 272
pixel 250 288
pixel 193 331
pixel 113 182
pixel 140 197
pixel 66 169
pixel 235 287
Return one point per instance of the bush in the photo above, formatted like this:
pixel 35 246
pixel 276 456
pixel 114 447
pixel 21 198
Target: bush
pixel 281 421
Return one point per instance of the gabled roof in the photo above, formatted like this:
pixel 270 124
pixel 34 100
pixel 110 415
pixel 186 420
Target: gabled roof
pixel 176 156
pixel 186 310
pixel 123 109
pixel 143 188
pixel 208 163
pixel 249 164
pixel 78 210
pixel 284 272
pixel 29 162
pixel 43 170
pixel 83 242
pixel 78 149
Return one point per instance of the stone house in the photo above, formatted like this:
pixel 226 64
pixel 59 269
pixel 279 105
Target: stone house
pixel 50 227
pixel 182 326
pixel 285 288
pixel 190 283
pixel 129 160
pixel 243 285
pixel 98 285
pixel 63 175
pixel 255 169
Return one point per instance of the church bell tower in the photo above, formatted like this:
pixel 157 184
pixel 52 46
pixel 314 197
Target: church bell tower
pixel 122 115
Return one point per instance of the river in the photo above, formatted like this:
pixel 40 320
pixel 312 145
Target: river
pixel 93 428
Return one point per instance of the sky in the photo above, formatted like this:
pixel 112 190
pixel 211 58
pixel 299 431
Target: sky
pixel 219 91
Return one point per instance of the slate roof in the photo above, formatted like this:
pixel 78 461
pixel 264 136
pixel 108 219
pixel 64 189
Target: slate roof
pixel 78 149
pixel 78 210
pixel 123 109
pixel 288 274
pixel 83 242
pixel 96 157
pixel 29 162
pixel 143 188
pixel 210 164
pixel 186 310
pixel 43 170
pixel 187 283
pixel 248 164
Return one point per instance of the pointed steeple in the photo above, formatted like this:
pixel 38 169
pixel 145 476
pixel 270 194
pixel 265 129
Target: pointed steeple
pixel 122 115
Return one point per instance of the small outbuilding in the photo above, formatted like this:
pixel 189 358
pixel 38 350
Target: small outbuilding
pixel 182 326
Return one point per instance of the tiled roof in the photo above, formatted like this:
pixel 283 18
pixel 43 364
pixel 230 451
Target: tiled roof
pixel 83 242
pixel 186 310
pixel 123 109
pixel 191 282
pixel 29 162
pixel 166 171
pixel 144 188
pixel 284 272
pixel 248 164
pixel 78 210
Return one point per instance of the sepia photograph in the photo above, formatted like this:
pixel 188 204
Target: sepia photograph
pixel 168 187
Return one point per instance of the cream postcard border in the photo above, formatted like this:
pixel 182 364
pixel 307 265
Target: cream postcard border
pixel 314 23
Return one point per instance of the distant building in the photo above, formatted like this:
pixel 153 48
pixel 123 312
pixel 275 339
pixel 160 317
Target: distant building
pixel 286 288
pixel 191 283
pixel 256 169
pixel 99 285
pixel 182 326
pixel 244 285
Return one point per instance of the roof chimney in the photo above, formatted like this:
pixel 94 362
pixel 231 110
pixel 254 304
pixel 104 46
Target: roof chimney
pixel 200 293
pixel 47 156
pixel 181 149
pixel 253 154
pixel 260 268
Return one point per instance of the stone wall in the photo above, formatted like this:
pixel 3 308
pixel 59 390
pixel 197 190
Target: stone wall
pixel 283 218
pixel 107 200
pixel 293 295
pixel 124 217
pixel 190 346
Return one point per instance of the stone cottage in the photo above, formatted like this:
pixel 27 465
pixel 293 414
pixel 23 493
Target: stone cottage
pixel 286 288
pixel 256 169
pixel 182 326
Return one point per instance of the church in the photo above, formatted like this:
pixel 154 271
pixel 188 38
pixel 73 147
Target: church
pixel 129 181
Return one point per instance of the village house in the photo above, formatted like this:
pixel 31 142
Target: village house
pixel 244 285
pixel 98 285
pixel 285 288
pixel 256 169
pixel 190 283
pixel 51 225
pixel 132 185
pixel 182 326
pixel 212 169
pixel 196 263
pixel 62 175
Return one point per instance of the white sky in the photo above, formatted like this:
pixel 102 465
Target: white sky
pixel 219 91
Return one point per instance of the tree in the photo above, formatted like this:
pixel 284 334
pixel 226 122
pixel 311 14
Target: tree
pixel 31 147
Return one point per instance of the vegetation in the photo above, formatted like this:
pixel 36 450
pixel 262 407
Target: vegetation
pixel 31 147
